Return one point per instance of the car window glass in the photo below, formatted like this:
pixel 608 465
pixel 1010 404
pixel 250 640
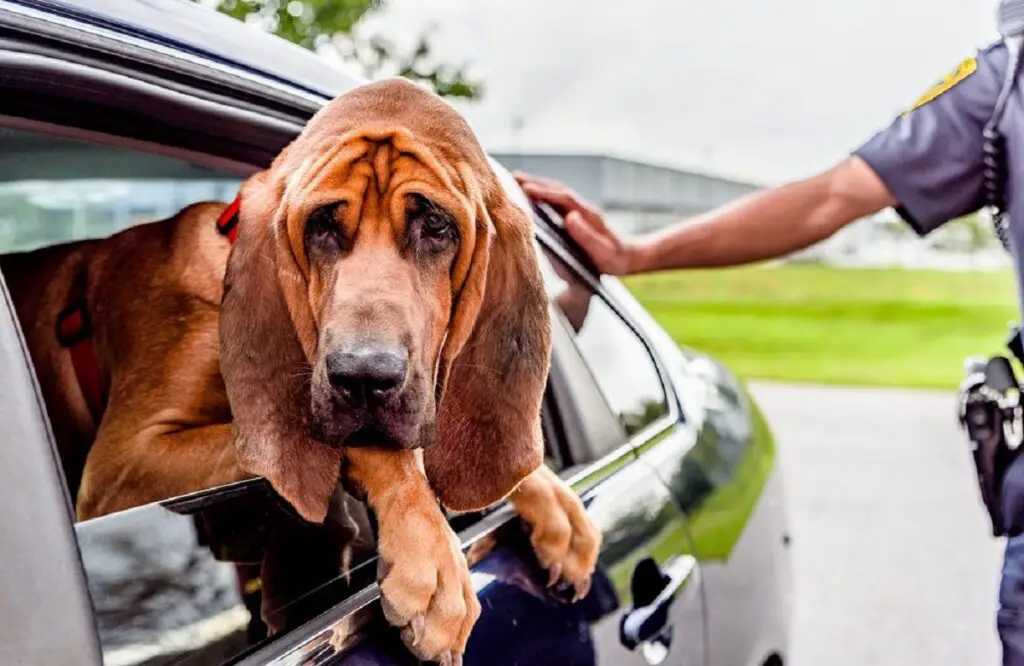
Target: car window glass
pixel 54 190
pixel 617 358
pixel 199 582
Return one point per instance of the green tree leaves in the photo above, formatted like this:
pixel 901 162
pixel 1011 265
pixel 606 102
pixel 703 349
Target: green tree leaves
pixel 331 24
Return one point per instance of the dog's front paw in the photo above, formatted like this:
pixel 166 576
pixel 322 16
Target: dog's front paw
pixel 563 536
pixel 424 582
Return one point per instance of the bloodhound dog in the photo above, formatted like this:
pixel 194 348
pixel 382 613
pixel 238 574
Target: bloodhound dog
pixel 380 321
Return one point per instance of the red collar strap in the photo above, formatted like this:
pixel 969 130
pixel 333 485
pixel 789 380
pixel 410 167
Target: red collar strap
pixel 227 223
pixel 74 332
pixel 74 328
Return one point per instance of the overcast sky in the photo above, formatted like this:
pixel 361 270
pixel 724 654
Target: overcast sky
pixel 766 90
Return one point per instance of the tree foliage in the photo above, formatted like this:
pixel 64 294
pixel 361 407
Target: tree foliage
pixel 327 24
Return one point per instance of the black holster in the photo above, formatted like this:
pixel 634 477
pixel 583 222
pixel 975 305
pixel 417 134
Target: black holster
pixel 986 416
pixel 992 457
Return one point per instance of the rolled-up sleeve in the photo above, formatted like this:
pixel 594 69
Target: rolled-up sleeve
pixel 930 157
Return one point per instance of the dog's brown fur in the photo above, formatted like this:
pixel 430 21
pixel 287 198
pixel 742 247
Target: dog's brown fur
pixel 185 326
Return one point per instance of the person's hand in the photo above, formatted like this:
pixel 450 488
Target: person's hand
pixel 585 223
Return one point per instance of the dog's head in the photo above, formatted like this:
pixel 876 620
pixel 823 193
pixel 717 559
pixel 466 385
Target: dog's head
pixel 384 291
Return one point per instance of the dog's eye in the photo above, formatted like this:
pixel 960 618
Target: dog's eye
pixel 434 223
pixel 322 229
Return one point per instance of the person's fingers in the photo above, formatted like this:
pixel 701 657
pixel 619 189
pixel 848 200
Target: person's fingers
pixel 557 198
pixel 567 201
pixel 542 186
pixel 563 200
pixel 595 243
pixel 596 218
pixel 576 223
pixel 523 177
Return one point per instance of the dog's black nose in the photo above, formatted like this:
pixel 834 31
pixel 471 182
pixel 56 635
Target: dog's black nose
pixel 367 371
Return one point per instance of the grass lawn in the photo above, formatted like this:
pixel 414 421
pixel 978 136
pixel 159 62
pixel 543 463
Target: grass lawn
pixel 872 327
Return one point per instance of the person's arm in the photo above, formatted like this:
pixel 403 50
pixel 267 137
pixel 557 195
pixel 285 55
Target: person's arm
pixel 768 224
pixel 928 164
pixel 765 225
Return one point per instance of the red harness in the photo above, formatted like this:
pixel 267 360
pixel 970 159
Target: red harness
pixel 74 327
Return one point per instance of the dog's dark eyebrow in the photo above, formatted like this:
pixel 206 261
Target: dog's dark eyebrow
pixel 417 200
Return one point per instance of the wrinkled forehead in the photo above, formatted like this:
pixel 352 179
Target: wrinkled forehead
pixel 373 172
pixel 375 158
pixel 416 122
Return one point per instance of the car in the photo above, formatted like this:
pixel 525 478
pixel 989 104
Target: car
pixel 118 112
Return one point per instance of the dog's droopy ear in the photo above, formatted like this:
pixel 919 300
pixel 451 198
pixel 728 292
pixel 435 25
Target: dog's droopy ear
pixel 264 326
pixel 494 365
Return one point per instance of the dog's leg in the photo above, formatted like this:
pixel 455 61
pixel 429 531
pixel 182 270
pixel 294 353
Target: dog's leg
pixel 162 461
pixel 423 575
pixel 564 538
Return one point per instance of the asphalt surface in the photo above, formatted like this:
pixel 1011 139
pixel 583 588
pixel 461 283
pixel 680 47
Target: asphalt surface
pixel 893 563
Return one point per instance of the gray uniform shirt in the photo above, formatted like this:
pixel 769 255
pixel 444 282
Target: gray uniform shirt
pixel 931 156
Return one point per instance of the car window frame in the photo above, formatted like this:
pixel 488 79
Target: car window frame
pixel 585 414
pixel 83 39
pixel 553 236
pixel 50 563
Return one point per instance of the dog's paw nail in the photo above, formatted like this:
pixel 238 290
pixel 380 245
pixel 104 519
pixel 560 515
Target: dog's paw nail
pixel 556 574
pixel 582 589
pixel 416 628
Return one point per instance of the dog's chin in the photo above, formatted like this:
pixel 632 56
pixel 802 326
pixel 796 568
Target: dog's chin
pixel 372 436
pixel 367 434
pixel 401 423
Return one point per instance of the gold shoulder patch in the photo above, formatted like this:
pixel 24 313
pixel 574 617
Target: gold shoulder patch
pixel 963 70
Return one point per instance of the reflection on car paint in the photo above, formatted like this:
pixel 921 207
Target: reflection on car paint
pixel 727 462
pixel 723 473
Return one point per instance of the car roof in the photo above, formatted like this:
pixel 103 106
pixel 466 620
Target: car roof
pixel 200 31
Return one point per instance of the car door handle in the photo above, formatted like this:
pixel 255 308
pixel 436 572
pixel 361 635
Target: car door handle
pixel 650 621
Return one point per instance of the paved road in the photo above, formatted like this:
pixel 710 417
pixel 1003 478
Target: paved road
pixel 893 565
